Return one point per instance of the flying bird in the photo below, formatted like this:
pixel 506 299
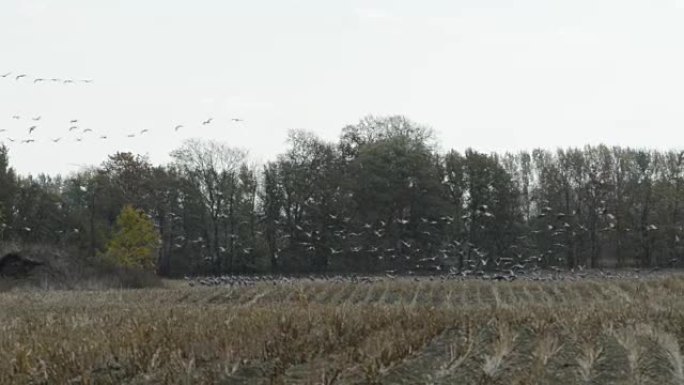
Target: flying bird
pixel 103 137
pixel 68 81
pixel 237 120
pixel 178 127
pixel 20 76
pixel 144 131
pixel 73 121
pixel 56 140
pixel 38 80
pixel 17 117
pixel 87 81
pixel 37 118
pixel 87 130
pixel 32 128
pixel 208 121
pixel 73 128
pixel 131 135
pixel 6 75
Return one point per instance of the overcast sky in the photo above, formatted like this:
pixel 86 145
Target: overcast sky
pixel 492 75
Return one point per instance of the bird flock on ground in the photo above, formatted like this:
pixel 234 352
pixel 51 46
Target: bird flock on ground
pixel 545 275
pixel 443 263
pixel 31 127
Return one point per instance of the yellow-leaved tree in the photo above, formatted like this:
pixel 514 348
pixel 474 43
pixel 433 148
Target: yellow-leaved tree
pixel 135 240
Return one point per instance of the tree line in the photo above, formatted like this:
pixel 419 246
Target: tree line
pixel 381 198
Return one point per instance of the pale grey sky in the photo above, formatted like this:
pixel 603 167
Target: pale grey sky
pixel 494 75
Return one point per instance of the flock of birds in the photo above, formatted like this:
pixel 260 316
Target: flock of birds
pixel 23 77
pixel 550 275
pixel 73 127
pixel 420 264
pixel 78 133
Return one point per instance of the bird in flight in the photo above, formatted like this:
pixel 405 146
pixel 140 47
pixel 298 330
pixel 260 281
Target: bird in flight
pixel 208 121
pixel 144 131
pixel 56 140
pixel 6 75
pixel 38 80
pixel 20 76
pixel 178 127
pixel 87 81
pixel 103 137
pixel 237 120
pixel 73 121
pixel 131 135
pixel 32 128
pixel 73 128
pixel 16 117
pixel 11 140
pixel 28 141
pixel 37 118
pixel 87 130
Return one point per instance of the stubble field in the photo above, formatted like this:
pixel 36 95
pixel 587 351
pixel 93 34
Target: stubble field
pixel 399 331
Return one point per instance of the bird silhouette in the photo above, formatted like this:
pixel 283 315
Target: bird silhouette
pixel 143 131
pixel 20 76
pixel 16 117
pixel 237 120
pixel 178 127
pixel 56 140
pixel 37 118
pixel 6 75
pixel 32 128
pixel 208 121
pixel 38 80
pixel 73 128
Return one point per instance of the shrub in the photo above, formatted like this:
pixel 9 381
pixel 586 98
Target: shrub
pixel 135 241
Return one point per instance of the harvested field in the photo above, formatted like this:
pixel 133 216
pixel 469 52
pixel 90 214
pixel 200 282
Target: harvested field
pixel 384 332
